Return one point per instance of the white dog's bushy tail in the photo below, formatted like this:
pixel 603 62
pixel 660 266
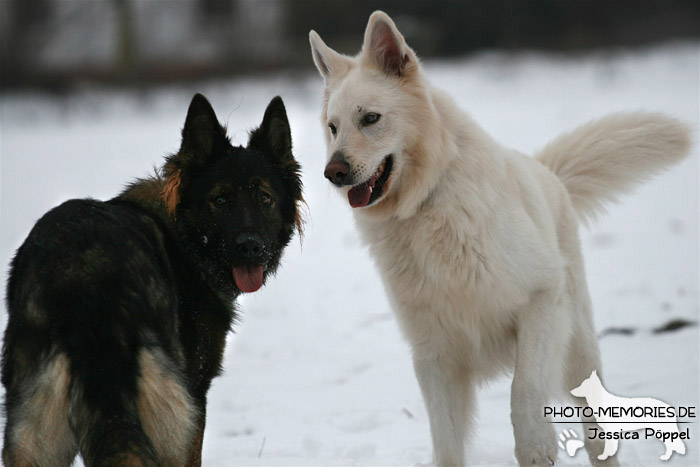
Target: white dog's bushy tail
pixel 603 159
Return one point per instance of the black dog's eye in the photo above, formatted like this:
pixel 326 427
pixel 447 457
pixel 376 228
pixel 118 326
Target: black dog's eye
pixel 267 200
pixel 370 119
pixel 220 200
pixel 333 129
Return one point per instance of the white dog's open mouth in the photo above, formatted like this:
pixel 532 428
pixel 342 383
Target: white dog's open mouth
pixel 370 191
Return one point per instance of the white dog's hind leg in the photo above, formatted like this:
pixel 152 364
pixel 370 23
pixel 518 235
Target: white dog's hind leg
pixel 584 357
pixel 449 400
pixel 542 331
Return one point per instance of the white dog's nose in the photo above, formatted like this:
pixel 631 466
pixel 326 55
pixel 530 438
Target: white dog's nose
pixel 337 170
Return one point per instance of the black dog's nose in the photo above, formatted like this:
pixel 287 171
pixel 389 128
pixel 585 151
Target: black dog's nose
pixel 337 170
pixel 250 246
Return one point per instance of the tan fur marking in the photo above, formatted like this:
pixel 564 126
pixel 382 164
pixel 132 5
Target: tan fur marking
pixel 171 192
pixel 167 413
pixel 42 436
pixel 195 459
pixel 299 219
pixel 130 460
pixel 146 191
pixel 35 313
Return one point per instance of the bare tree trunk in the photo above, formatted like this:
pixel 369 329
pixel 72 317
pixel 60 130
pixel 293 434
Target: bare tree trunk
pixel 125 65
pixel 17 55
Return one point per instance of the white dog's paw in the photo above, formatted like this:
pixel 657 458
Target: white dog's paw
pixel 536 447
pixel 569 442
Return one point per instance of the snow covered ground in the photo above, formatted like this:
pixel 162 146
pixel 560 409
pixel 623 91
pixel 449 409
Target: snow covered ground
pixel 317 373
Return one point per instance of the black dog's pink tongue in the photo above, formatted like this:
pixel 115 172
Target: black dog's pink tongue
pixel 248 278
pixel 359 195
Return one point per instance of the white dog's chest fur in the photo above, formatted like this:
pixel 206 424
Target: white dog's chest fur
pixel 458 271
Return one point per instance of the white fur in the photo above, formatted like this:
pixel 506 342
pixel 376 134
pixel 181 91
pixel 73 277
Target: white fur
pixel 478 244
pixel 610 156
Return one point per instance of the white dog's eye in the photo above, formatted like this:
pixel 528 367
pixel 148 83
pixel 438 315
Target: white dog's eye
pixel 333 129
pixel 370 119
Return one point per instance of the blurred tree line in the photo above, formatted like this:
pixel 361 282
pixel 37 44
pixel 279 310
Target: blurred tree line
pixel 53 43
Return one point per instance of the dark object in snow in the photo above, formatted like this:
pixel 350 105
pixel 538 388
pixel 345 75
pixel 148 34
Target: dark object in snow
pixel 617 331
pixel 675 325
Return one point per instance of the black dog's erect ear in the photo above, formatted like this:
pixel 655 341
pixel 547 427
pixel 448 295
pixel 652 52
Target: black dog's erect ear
pixel 201 132
pixel 274 137
pixel 201 127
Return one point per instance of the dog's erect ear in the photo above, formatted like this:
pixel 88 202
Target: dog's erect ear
pixel 201 128
pixel 199 137
pixel 274 135
pixel 329 62
pixel 385 46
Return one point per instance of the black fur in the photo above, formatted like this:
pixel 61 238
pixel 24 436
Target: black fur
pixel 102 296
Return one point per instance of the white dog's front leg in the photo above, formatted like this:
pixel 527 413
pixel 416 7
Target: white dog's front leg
pixel 540 345
pixel 448 394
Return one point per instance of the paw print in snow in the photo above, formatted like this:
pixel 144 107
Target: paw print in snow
pixel 568 441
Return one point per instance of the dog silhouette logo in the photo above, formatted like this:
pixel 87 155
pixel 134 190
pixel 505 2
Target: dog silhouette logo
pixel 618 416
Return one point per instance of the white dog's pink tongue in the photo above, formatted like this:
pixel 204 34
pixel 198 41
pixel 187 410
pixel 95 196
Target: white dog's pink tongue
pixel 359 195
pixel 248 278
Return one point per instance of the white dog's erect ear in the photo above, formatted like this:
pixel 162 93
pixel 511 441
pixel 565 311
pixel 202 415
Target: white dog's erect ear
pixel 328 61
pixel 385 45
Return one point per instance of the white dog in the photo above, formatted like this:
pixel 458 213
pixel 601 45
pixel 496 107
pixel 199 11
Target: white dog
pixel 477 244
pixel 598 398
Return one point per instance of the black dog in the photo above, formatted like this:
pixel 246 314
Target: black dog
pixel 119 310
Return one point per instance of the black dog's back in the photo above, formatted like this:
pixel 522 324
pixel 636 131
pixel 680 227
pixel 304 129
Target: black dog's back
pixel 93 299
pixel 77 283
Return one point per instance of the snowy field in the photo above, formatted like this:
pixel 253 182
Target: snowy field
pixel 317 373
